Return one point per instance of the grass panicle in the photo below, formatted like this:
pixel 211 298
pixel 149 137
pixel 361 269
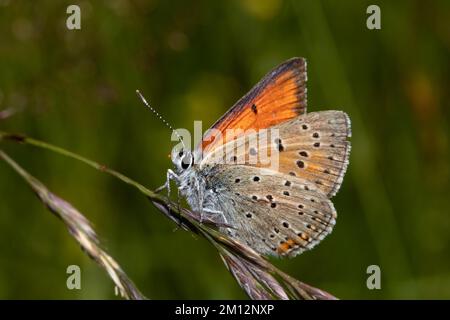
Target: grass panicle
pixel 81 230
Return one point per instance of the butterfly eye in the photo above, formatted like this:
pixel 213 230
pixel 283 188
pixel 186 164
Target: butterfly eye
pixel 185 165
pixel 186 161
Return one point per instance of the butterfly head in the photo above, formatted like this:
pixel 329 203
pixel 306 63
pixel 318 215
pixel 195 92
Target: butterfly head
pixel 183 159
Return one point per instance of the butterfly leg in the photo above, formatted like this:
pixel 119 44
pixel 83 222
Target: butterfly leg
pixel 212 211
pixel 216 216
pixel 170 176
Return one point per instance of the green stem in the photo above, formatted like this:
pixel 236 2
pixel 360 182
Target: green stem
pixel 44 145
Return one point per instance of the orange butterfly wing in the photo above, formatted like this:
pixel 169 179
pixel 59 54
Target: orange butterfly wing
pixel 278 97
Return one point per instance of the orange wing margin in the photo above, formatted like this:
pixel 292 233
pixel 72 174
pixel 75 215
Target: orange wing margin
pixel 278 97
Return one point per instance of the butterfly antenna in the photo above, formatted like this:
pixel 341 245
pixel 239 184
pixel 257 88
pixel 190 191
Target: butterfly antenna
pixel 160 117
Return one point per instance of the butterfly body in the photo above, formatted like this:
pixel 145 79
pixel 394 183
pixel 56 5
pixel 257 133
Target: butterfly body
pixel 277 210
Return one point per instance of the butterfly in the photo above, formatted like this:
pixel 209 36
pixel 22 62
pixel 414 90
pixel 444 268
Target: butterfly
pixel 279 211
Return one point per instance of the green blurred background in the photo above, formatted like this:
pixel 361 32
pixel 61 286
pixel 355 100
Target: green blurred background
pixel 193 60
